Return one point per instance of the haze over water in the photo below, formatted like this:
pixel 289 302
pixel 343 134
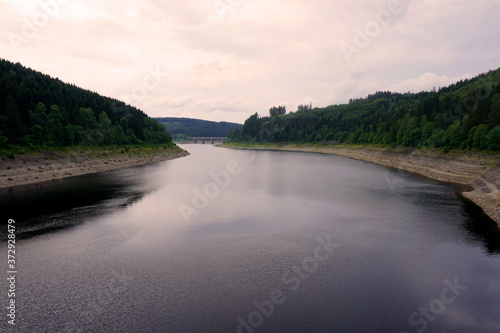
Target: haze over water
pixel 227 241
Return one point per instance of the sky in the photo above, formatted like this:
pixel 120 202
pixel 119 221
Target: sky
pixel 224 60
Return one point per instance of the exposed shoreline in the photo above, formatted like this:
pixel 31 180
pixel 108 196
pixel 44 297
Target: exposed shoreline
pixel 479 171
pixel 51 165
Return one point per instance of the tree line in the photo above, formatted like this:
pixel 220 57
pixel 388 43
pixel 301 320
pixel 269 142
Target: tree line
pixel 38 110
pixel 188 127
pixel 465 115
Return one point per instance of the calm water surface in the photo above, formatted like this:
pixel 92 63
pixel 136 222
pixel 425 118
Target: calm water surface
pixel 241 241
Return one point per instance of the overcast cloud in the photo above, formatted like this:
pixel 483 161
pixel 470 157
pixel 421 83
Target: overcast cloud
pixel 227 59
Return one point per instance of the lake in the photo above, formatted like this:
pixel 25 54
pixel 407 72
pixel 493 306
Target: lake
pixel 252 241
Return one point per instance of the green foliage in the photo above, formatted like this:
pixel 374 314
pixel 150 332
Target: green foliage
pixel 465 115
pixel 75 117
pixel 277 111
pixel 493 138
pixel 479 134
pixel 3 140
pixel 303 107
pixel 197 127
pixel 494 115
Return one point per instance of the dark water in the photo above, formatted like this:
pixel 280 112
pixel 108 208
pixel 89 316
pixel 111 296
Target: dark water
pixel 240 241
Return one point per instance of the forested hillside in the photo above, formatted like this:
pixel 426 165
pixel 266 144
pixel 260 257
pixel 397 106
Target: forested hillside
pixel 37 110
pixel 187 127
pixel 464 115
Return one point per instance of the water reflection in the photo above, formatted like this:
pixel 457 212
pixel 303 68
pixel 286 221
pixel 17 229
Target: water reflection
pixel 397 245
pixel 481 227
pixel 291 179
pixel 49 206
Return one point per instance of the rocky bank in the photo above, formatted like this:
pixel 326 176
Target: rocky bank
pixel 50 165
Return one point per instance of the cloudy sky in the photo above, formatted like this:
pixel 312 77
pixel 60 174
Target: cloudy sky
pixel 227 59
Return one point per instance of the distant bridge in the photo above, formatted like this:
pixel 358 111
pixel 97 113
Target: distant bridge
pixel 210 139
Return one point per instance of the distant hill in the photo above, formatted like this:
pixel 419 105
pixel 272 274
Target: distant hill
pixel 187 127
pixel 37 110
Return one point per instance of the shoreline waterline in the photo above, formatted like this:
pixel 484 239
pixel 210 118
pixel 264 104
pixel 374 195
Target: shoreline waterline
pixel 478 173
pixel 49 165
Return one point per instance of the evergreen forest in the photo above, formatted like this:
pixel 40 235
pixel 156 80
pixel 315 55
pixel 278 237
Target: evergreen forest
pixel 188 127
pixel 464 115
pixel 37 110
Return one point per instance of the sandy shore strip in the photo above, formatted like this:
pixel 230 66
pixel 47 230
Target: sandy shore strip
pixel 52 165
pixel 481 171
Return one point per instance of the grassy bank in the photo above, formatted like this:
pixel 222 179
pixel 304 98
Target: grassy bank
pixel 20 165
pixel 478 169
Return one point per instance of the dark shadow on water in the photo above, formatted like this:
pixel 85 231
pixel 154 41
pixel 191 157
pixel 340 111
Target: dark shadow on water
pixel 50 206
pixel 480 226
